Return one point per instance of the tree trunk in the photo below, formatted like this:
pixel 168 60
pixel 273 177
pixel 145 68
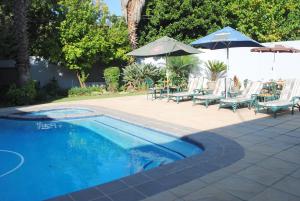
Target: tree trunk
pixel 21 36
pixel 80 80
pixel 131 25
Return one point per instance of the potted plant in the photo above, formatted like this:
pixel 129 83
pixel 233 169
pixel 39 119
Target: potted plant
pixel 236 84
pixel 215 69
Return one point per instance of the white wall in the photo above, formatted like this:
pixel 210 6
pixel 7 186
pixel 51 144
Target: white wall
pixel 43 72
pixel 254 66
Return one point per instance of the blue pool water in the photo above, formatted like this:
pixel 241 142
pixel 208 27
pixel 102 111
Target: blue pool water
pixel 43 159
pixel 57 112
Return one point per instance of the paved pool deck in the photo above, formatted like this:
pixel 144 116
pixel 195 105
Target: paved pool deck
pixel 268 170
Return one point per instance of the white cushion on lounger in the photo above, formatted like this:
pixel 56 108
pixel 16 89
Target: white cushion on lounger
pixel 276 103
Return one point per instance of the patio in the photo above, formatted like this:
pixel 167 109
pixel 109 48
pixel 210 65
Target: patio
pixel 270 169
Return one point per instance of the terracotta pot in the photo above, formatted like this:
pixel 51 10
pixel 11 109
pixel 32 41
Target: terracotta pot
pixel 211 85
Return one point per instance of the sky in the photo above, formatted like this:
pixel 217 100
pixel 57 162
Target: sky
pixel 114 6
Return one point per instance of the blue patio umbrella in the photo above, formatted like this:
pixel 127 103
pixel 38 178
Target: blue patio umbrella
pixel 225 38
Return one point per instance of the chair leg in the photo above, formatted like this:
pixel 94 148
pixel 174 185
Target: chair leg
pixel 206 103
pixel 234 107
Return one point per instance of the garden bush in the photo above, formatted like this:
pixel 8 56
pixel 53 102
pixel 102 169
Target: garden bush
pixel 50 91
pixel 22 95
pixel 85 91
pixel 112 77
pixel 135 75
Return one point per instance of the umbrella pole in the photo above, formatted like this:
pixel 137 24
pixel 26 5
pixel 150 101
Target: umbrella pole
pixel 273 66
pixel 227 69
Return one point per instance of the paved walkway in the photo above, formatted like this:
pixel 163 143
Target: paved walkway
pixel 270 169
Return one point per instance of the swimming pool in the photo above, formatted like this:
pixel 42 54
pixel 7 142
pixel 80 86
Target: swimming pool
pixel 43 159
pixel 56 113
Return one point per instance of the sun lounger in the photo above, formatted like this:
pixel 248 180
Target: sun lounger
pixel 194 86
pixel 217 94
pixel 289 97
pixel 247 97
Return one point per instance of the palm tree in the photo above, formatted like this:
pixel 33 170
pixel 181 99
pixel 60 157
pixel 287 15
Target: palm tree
pixel 132 11
pixel 21 36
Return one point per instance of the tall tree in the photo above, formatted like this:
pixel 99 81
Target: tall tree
pixel 187 20
pixel 132 11
pixel 82 36
pixel 21 37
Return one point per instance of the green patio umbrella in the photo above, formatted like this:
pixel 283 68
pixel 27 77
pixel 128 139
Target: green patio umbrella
pixel 164 46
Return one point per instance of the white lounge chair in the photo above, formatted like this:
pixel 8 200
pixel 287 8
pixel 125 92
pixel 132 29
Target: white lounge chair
pixel 217 94
pixel 194 86
pixel 248 97
pixel 289 97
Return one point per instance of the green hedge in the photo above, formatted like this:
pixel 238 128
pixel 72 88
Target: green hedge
pixel 22 95
pixel 85 91
pixel 112 77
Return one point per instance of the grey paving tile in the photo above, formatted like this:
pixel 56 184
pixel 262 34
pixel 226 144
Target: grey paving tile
pixel 112 187
pixel 295 133
pixel 261 175
pixel 277 130
pixel 150 188
pixel 215 176
pixel 127 194
pixel 240 187
pixel 288 139
pixel 189 187
pixel 289 185
pixel 136 179
pixel 271 194
pixel 278 165
pixel 238 166
pixel 253 156
pixel 271 147
pixel 102 199
pixel 266 133
pixel 61 198
pixel 252 139
pixel 210 194
pixel 164 196
pixel 86 194
pixel 296 174
pixel 289 155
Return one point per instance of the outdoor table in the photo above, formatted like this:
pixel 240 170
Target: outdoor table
pixel 163 90
pixel 266 97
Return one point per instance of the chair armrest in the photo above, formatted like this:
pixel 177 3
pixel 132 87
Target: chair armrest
pixel 198 91
pixel 254 96
pixel 296 99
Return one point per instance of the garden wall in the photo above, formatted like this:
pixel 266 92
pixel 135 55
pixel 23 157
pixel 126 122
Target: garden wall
pixel 253 66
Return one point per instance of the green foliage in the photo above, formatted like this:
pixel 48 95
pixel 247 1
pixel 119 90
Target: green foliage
pixel 22 95
pixel 134 75
pixel 85 91
pixel 188 20
pixel 112 76
pixel 50 91
pixel 215 69
pixel 81 35
pixel 179 68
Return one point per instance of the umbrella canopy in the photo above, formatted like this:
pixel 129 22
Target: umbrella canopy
pixel 225 38
pixel 275 49
pixel 164 46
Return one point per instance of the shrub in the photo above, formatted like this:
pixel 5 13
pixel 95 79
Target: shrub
pixel 22 95
pixel 135 75
pixel 179 68
pixel 112 76
pixel 85 91
pixel 50 91
pixel 215 69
